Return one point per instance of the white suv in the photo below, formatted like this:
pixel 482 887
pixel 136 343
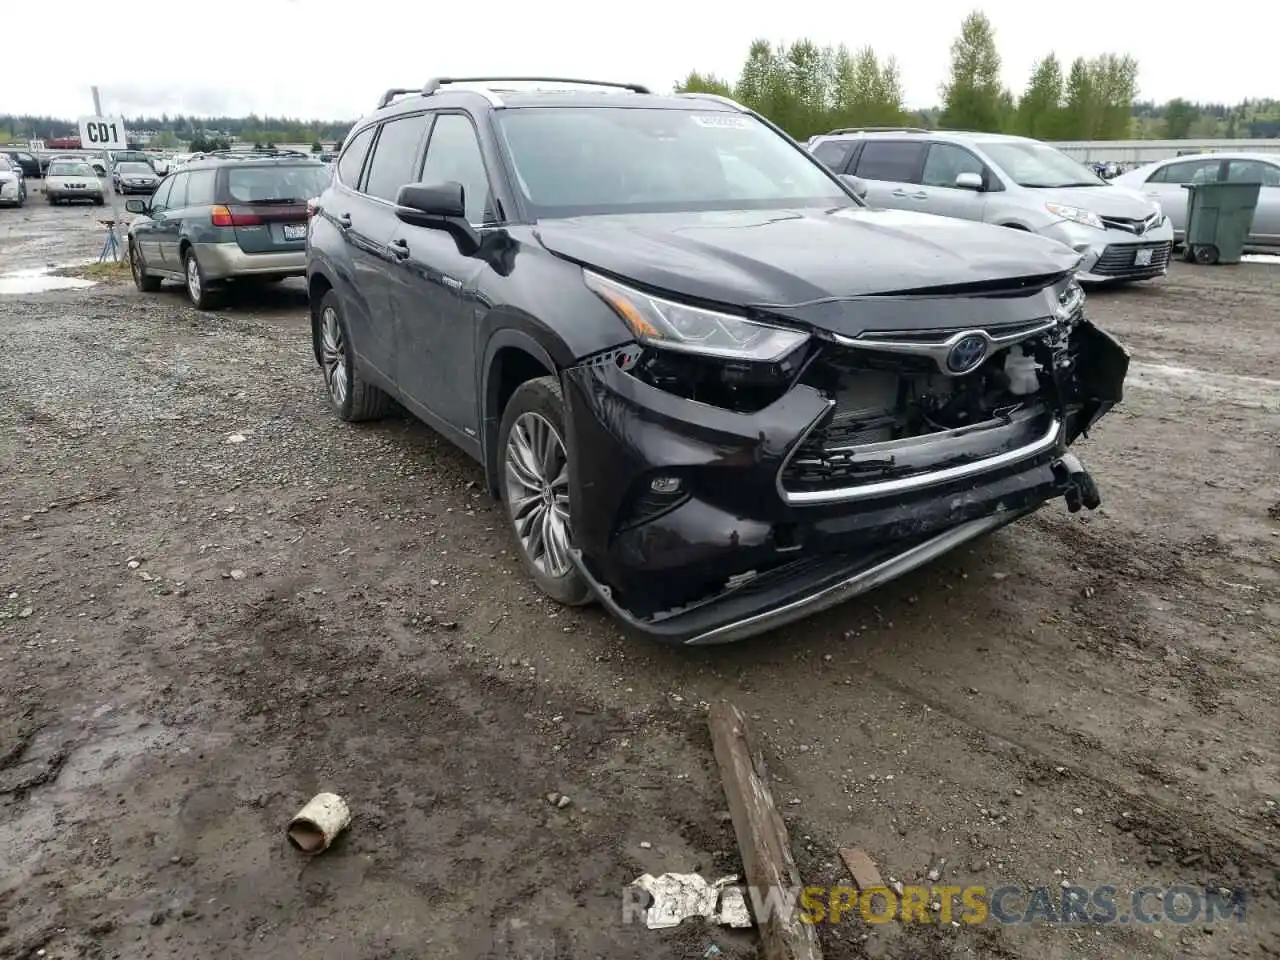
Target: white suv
pixel 1011 181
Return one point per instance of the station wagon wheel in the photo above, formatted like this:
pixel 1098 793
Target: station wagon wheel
pixel 534 475
pixel 141 280
pixel 202 298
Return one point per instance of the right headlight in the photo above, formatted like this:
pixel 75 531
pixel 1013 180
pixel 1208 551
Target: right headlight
pixel 1075 215
pixel 678 326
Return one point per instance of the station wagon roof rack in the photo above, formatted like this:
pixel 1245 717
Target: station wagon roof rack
pixel 879 130
pixel 435 83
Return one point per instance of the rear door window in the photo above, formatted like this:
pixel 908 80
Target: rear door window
pixel 395 156
pixel 896 160
pixel 178 196
pixel 834 154
pixel 1253 171
pixel 160 199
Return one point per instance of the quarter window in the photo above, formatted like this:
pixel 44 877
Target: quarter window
pixel 178 198
pixel 454 155
pixel 395 156
pixel 896 160
pixel 352 161
pixel 201 187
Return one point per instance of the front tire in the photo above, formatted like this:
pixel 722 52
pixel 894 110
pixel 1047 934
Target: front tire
pixel 351 396
pixel 138 267
pixel 535 488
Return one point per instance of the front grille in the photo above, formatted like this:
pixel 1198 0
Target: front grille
pixel 1117 260
pixel 1130 225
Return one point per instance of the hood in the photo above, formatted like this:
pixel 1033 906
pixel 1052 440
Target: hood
pixel 8 175
pixel 1107 201
pixel 791 257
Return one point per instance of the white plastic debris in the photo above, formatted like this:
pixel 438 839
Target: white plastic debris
pixel 677 896
pixel 236 438
pixel 317 824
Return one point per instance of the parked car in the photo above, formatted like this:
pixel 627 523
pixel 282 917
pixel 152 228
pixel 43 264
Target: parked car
pixel 1011 181
pixel 130 156
pixel 99 168
pixel 714 390
pixel 129 177
pixel 13 185
pixel 218 220
pixel 1164 182
pixel 68 180
pixel 25 161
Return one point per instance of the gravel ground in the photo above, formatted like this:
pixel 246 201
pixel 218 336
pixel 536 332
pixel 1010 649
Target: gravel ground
pixel 215 600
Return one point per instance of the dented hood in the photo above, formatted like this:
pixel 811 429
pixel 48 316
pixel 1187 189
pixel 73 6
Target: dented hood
pixel 791 257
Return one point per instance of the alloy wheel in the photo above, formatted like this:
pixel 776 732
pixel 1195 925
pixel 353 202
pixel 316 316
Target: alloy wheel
pixel 333 355
pixel 537 472
pixel 135 263
pixel 193 279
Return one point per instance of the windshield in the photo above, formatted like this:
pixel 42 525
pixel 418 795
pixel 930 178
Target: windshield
pixel 263 184
pixel 4 164
pixel 581 160
pixel 1039 165
pixel 70 170
pixel 135 169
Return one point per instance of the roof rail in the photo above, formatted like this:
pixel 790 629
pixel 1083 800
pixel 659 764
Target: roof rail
pixel 727 101
pixel 393 93
pixel 435 83
pixel 878 130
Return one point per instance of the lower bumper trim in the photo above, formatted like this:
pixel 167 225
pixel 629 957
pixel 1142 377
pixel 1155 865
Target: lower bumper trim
pixel 830 595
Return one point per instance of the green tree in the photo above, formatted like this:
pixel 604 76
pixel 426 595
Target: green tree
pixel 704 83
pixel 1078 111
pixel 1115 84
pixel 1039 112
pixel 1179 116
pixel 972 96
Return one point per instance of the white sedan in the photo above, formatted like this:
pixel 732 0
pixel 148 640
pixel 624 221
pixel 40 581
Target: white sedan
pixel 1164 181
pixel 68 180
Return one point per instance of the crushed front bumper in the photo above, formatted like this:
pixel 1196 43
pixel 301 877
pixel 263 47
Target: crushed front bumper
pixel 693 525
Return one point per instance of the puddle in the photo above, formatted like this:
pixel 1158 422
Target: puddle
pixel 38 280
pixel 1254 392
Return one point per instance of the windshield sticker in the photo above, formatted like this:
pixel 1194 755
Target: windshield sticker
pixel 729 120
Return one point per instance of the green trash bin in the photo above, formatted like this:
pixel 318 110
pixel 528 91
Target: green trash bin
pixel 1219 217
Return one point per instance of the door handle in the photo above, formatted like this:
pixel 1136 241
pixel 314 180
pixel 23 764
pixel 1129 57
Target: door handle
pixel 344 220
pixel 903 195
pixel 399 249
pixel 920 196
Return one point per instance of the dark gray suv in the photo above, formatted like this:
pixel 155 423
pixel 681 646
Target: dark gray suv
pixel 714 390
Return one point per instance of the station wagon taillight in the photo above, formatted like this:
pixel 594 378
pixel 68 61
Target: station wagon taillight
pixel 235 217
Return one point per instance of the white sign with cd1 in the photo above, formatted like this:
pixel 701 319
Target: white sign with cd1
pixel 103 133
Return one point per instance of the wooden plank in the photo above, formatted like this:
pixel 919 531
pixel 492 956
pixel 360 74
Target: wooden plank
pixel 861 867
pixel 762 836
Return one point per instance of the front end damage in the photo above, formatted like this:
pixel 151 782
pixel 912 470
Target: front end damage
pixel 713 499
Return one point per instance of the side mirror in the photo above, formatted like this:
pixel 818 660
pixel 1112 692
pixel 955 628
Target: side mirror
pixel 136 206
pixel 438 206
pixel 856 184
pixel 969 181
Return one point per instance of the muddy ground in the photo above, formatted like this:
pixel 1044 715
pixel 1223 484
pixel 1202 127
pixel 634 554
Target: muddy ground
pixel 197 634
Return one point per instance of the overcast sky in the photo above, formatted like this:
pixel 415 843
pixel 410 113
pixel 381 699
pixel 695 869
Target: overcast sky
pixel 331 60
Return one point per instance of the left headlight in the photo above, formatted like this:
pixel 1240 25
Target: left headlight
pixel 678 326
pixel 1075 215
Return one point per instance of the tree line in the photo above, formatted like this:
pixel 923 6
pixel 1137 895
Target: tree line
pixel 806 89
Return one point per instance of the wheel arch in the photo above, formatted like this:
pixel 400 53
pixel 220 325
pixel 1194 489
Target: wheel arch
pixel 511 358
pixel 318 284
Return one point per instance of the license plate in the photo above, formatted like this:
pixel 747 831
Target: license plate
pixel 298 231
pixel 1142 258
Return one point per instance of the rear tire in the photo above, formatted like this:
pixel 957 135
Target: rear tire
pixel 198 292
pixel 351 396
pixel 534 465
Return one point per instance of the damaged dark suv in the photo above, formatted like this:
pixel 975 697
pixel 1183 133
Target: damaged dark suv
pixel 714 390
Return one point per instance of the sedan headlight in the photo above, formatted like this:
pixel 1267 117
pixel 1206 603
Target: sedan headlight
pixel 1075 215
pixel 678 326
pixel 1159 210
